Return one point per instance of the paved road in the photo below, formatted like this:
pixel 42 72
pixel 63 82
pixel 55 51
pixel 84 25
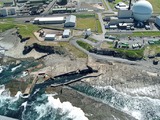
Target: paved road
pixel 102 57
pixel 109 8
pixel 102 23
pixel 49 7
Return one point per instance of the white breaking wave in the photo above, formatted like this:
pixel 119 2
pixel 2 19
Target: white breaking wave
pixel 65 109
pixel 141 108
pixel 13 69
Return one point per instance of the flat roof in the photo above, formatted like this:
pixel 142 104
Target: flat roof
pixel 71 18
pixel 50 35
pixel 49 19
pixel 66 32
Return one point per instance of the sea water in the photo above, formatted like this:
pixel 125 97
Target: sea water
pixel 42 107
pixel 141 108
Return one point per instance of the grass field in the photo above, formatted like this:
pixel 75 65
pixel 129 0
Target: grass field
pixel 85 21
pixel 84 45
pixel 155 5
pixel 6 26
pixel 146 33
pixel 73 50
pixel 27 30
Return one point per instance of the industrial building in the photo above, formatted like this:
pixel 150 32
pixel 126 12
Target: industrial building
pixel 70 21
pixel 49 20
pixel 137 15
pixel 157 22
pixel 50 37
pixel 7 11
pixel 3 12
pixel 66 33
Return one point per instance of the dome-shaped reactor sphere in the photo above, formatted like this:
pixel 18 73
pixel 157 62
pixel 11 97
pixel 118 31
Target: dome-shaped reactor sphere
pixel 142 10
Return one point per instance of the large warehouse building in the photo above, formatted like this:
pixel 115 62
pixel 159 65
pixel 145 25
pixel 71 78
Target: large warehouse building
pixel 49 20
pixel 70 21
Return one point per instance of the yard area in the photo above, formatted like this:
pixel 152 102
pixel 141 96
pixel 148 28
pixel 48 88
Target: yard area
pixel 88 21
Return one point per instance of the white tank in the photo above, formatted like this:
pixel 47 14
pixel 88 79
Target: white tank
pixel 142 10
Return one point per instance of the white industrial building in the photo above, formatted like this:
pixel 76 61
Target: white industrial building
pixel 7 11
pixel 66 33
pixel 157 21
pixel 3 12
pixel 70 21
pixel 49 20
pixel 50 37
pixel 116 20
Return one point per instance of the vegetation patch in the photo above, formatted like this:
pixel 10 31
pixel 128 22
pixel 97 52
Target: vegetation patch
pixel 155 5
pixel 73 50
pixel 133 54
pixel 88 21
pixel 27 30
pixel 146 33
pixel 92 39
pixel 85 45
pixel 6 26
pixel 85 15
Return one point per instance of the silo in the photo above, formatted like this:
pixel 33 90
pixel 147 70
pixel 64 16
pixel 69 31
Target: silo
pixel 142 10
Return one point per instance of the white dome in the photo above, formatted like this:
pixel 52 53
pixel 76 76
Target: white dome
pixel 142 10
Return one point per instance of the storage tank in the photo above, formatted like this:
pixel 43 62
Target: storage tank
pixel 3 12
pixel 142 10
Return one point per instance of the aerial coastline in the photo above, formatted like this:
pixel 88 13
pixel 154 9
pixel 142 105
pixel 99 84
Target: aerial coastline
pixel 99 58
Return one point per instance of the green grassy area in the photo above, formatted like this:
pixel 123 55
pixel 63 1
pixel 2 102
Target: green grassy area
pixel 146 33
pixel 84 45
pixel 155 5
pixel 92 39
pixel 104 4
pixel 132 53
pixel 85 21
pixel 153 49
pixel 73 50
pixel 6 26
pixel 84 15
pixel 27 30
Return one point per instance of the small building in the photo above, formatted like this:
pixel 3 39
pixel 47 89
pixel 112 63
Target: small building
pixel 66 33
pixel 11 11
pixel 87 32
pixel 70 21
pixel 115 20
pixel 158 21
pixel 49 20
pixel 3 12
pixel 50 37
pixel 124 14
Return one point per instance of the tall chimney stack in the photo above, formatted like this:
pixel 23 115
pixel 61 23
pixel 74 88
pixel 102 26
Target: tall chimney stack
pixel 129 4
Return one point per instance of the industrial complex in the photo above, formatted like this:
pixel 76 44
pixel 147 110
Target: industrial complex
pixel 48 46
